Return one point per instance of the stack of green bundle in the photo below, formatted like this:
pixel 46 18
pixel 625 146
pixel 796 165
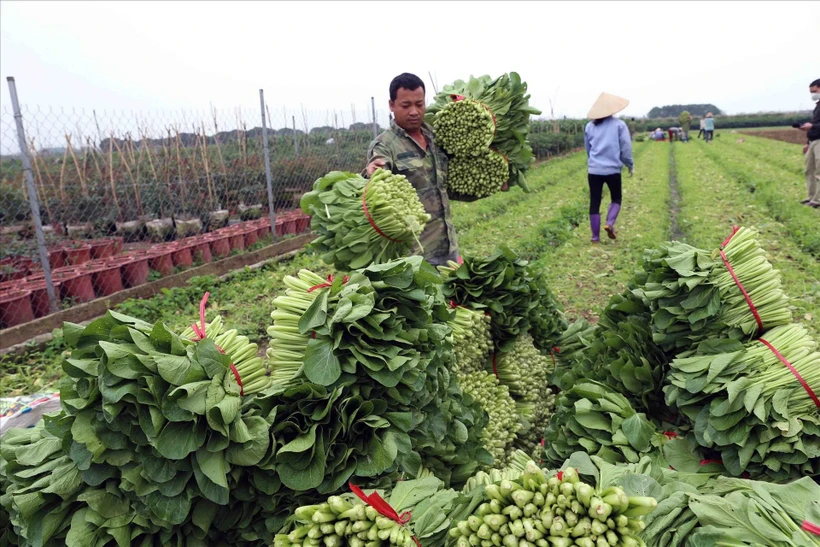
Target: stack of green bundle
pixel 695 295
pixel 756 404
pixel 361 221
pixel 472 342
pixel 484 123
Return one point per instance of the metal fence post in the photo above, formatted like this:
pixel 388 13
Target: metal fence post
pixel 32 196
pixel 295 140
pixel 267 164
pixel 373 108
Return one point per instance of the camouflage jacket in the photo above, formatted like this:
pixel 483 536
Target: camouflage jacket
pixel 426 171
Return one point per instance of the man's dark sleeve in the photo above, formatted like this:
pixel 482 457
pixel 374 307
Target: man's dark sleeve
pixel 378 150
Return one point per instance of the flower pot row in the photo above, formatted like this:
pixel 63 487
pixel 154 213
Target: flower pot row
pixel 74 253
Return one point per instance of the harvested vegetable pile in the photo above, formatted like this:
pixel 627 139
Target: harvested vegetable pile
pixel 494 398
pixel 696 295
pixel 560 511
pixel 465 114
pixel 472 343
pixel 593 418
pixel 362 222
pixel 754 403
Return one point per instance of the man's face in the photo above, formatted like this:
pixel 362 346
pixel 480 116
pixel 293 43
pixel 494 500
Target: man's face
pixel 814 89
pixel 408 108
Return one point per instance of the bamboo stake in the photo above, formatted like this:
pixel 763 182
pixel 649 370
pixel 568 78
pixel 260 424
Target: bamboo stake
pixel 111 176
pixel 94 157
pixel 77 165
pixel 62 175
pixel 150 156
pixel 131 176
pixel 179 160
pixel 218 148
pixel 211 190
pixel 42 189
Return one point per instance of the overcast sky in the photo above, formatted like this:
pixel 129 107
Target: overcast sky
pixel 743 57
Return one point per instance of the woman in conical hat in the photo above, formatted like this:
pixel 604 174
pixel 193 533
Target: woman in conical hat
pixel 609 149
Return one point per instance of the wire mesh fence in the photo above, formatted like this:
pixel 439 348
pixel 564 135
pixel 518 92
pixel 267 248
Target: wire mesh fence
pixel 127 197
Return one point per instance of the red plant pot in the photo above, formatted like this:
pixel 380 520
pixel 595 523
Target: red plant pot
pixel 107 278
pixel 39 296
pixel 160 260
pixel 13 275
pixel 75 284
pixel 280 226
pixel 263 232
pixel 135 272
pixel 102 248
pixel 302 223
pixel 237 241
pixel 15 307
pixel 56 257
pixel 74 256
pixel 220 245
pixel 181 256
pixel 290 225
pixel 201 251
pixel 251 237
pixel 117 244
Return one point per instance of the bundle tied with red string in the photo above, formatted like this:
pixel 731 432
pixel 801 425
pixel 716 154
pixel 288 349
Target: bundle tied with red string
pixel 362 222
pixel 694 295
pixel 415 513
pixel 479 122
pixel 756 403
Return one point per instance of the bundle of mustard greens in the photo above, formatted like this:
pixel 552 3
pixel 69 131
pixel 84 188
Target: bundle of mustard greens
pixel 694 295
pixel 361 221
pixel 483 124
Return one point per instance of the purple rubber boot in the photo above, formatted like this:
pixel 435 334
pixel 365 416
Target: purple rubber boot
pixel 595 225
pixel 611 217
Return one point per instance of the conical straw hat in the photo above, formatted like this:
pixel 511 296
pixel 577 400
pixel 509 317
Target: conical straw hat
pixel 606 105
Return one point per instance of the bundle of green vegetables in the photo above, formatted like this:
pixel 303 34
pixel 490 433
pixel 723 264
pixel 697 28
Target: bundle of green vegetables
pixel 384 329
pixel 559 511
pixel 477 176
pixel 464 128
pixel 494 398
pixel 526 372
pixel 547 320
pixel 592 417
pixel 757 404
pixel 573 344
pixel 695 296
pixel 507 100
pixel 472 342
pixel 622 355
pixel 361 221
pixel 415 511
pixel 500 284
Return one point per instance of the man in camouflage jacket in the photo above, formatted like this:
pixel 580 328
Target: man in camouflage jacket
pixel 408 149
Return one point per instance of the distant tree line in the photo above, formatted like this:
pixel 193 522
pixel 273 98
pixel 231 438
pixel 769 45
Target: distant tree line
pixel 675 110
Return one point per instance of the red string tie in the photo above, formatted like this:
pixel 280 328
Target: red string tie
pixel 707 462
pixel 811 527
pixel 495 367
pixel 670 435
pixel 737 281
pixel 793 371
pixel 370 217
pixel 375 501
pixel 328 283
pixel 199 335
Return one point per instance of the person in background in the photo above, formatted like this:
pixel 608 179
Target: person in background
pixel 709 127
pixel 812 150
pixel 609 149
pixel 671 131
pixel 632 129
pixel 658 135
pixel 408 149
pixel 702 127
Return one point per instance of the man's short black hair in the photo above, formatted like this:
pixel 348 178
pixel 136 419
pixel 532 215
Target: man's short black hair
pixel 407 81
pixel 815 83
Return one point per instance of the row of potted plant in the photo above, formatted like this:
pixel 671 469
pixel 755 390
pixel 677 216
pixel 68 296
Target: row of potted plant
pixel 26 298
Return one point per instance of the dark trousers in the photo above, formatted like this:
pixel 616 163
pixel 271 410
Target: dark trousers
pixel 709 134
pixel 700 133
pixel 596 190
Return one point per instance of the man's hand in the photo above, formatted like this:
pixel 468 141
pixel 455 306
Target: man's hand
pixel 373 165
pixel 631 171
pixel 806 126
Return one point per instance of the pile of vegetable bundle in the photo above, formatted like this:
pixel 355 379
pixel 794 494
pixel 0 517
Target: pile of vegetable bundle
pixel 593 418
pixel 525 371
pixel 501 285
pixel 383 331
pixel 559 511
pixel 756 404
pixel 547 320
pixel 472 343
pixel 494 398
pixel 695 296
pixel 480 115
pixel 361 221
